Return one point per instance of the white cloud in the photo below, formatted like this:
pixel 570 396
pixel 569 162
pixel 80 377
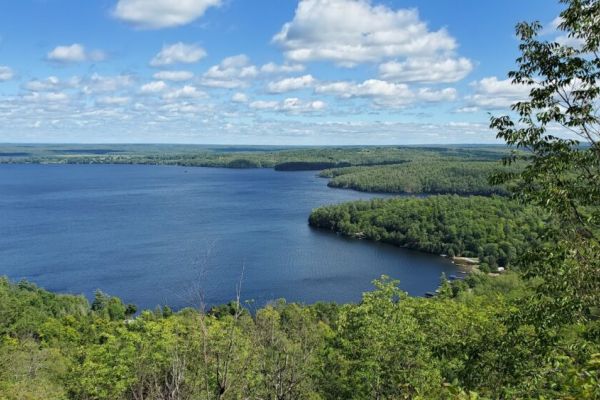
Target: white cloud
pixel 384 93
pixel 52 82
pixel 565 40
pixel 491 93
pixel 555 23
pixel 349 32
pixel 155 14
pixel 47 97
pixel 239 97
pixel 72 53
pixel 289 84
pixel 471 109
pixel 6 73
pixel 154 87
pixel 295 105
pixel 292 105
pixel 434 96
pixel 101 84
pixel 183 108
pixel 560 36
pixel 175 76
pixel 75 53
pixel 272 68
pixel 264 105
pixel 178 53
pixel 113 100
pixel 368 88
pixel 426 70
pixel 186 92
pixel 423 95
pixel 232 72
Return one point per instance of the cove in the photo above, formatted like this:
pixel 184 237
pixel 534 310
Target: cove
pixel 156 235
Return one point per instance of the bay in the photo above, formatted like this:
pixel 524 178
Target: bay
pixel 156 235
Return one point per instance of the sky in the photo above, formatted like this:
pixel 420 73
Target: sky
pixel 280 72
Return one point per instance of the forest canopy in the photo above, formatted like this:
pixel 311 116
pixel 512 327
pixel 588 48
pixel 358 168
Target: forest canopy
pixel 494 229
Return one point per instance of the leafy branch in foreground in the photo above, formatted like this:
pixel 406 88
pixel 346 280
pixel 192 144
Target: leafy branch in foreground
pixel 559 126
pixel 564 171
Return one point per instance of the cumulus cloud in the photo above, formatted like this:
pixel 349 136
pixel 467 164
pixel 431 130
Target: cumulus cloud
pixel 264 104
pixel 6 73
pixel 175 76
pixel 434 96
pixel 47 97
pixel 492 93
pixel 368 88
pixel 560 37
pixel 185 92
pixel 426 70
pixel 74 53
pixel 113 100
pixel 36 85
pixel 289 84
pixel 384 93
pixel 155 14
pixel 295 105
pixel 239 97
pixel 349 32
pixel 565 40
pixel 52 83
pixel 462 110
pixel 232 72
pixel 178 53
pixel 292 105
pixel 272 68
pixel 153 87
pixel 102 84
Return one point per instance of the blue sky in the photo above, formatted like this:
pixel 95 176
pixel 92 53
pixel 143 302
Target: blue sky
pixel 260 71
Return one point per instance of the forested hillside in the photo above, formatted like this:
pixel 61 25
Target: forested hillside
pixel 388 346
pixel 421 176
pixel 494 229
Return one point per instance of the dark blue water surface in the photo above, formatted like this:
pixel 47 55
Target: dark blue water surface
pixel 172 235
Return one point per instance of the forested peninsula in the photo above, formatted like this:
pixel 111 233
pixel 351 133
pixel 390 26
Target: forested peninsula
pixel 422 176
pixel 493 229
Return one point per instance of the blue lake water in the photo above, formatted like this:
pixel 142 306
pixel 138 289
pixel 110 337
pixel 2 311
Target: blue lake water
pixel 178 236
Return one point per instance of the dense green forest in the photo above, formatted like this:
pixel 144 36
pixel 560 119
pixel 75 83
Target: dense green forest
pixel 421 176
pixel 494 229
pixel 388 346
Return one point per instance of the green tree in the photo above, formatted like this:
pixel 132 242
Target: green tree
pixel 379 351
pixel 563 170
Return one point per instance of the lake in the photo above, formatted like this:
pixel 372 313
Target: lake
pixel 180 236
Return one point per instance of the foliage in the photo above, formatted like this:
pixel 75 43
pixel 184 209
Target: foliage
pixel 311 158
pixel 421 176
pixel 563 171
pixel 387 346
pixel 493 229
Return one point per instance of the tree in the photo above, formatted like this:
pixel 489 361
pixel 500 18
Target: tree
pixel 379 351
pixel 563 170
